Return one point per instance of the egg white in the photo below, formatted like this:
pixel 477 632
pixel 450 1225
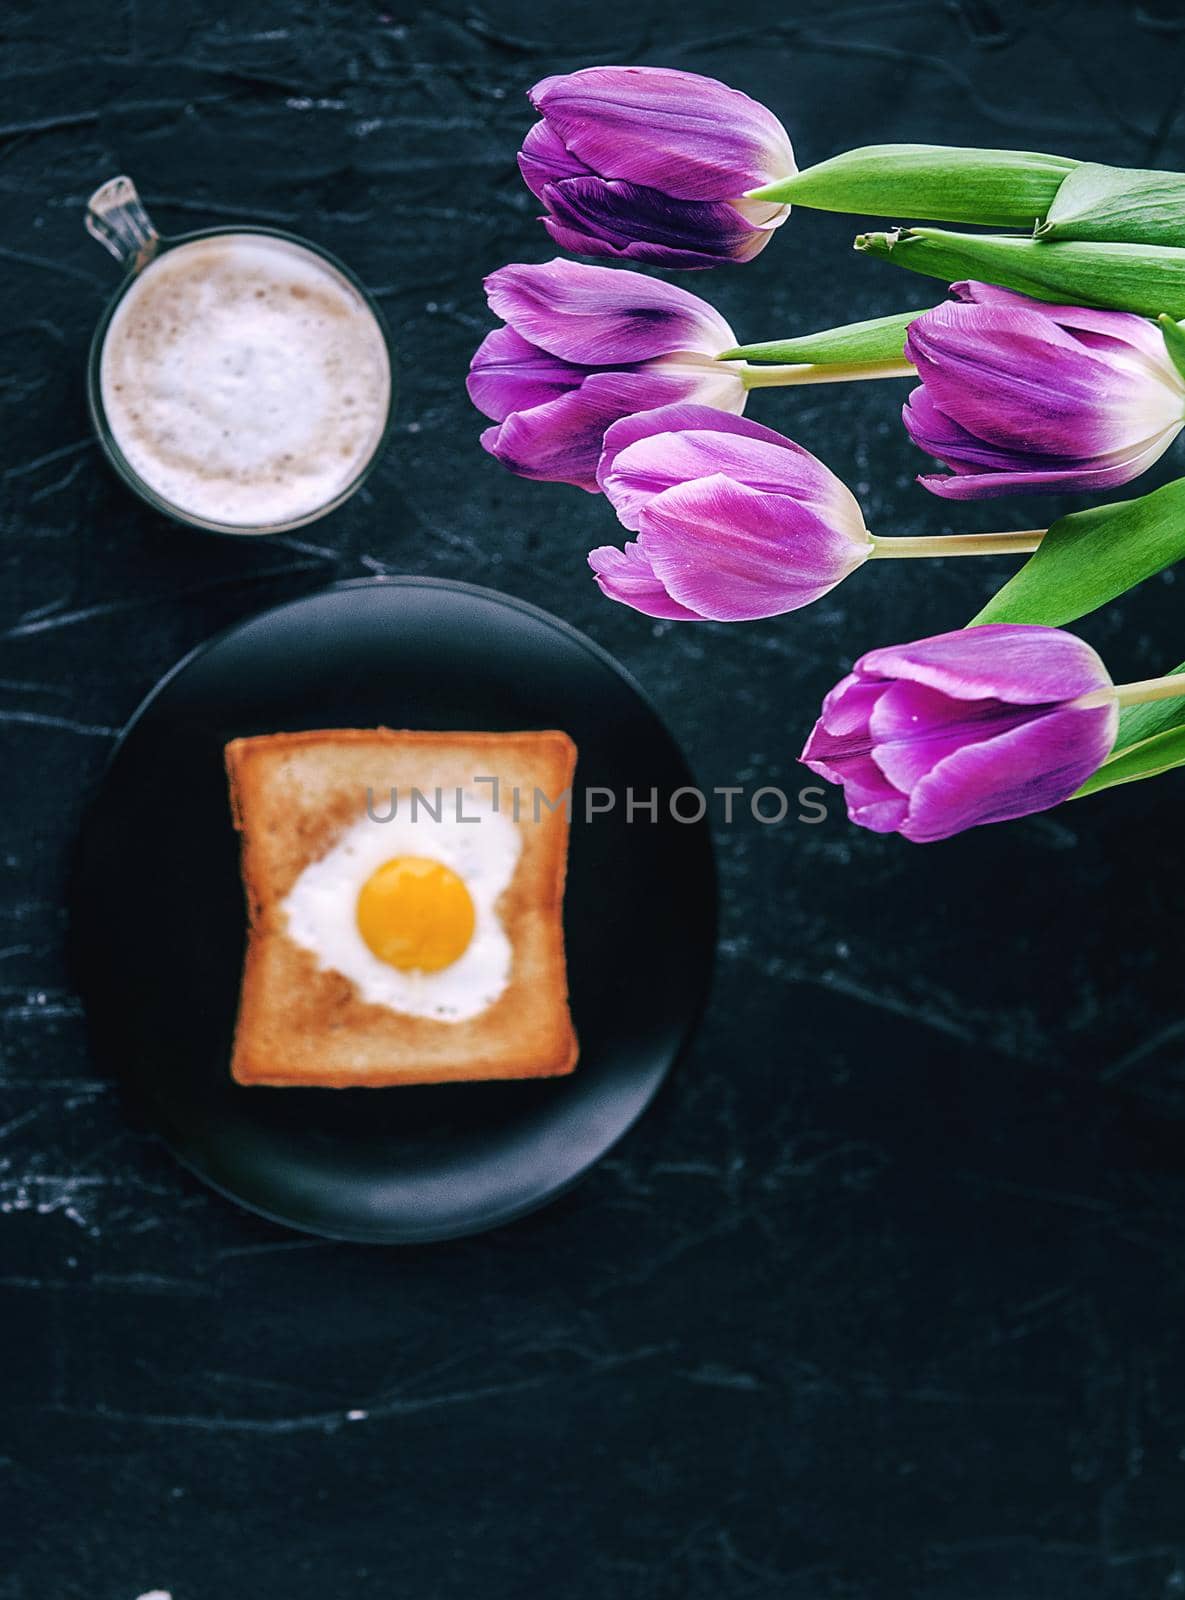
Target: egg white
pixel 321 907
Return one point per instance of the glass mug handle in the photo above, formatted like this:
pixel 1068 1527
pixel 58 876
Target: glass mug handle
pixel 116 217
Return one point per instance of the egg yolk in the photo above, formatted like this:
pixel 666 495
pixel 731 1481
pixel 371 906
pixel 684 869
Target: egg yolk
pixel 415 914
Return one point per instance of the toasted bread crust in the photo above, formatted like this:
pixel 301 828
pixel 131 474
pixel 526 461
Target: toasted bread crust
pixel 292 795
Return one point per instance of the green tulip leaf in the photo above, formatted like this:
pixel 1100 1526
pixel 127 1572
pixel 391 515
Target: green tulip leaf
pixel 1146 759
pixel 879 339
pixel 1123 205
pixel 1091 557
pixel 1148 279
pixel 943 183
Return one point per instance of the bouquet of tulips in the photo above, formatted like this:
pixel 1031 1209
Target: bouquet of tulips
pixel 1057 363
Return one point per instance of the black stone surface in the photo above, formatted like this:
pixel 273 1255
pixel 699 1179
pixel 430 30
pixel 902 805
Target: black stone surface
pixel 884 1298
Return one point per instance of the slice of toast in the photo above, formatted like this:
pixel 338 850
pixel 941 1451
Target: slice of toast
pixel 293 795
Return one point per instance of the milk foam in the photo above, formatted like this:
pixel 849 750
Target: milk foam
pixel 245 380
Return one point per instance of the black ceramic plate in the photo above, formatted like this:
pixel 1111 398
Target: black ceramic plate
pixel 159 918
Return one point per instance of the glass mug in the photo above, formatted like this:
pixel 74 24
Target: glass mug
pixel 240 379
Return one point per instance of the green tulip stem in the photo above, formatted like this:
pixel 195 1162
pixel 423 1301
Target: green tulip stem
pixel 1170 687
pixel 820 372
pixel 963 544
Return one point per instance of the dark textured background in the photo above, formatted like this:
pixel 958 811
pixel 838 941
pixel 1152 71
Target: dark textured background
pixel 884 1298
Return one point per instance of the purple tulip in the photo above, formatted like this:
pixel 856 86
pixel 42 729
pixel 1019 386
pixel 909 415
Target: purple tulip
pixel 965 728
pixel 583 346
pixel 647 164
pixel 733 520
pixel 1018 395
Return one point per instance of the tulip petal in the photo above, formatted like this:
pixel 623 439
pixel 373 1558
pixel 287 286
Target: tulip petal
pixel 1027 769
pixel 967 485
pixel 1022 663
pixel 843 726
pixel 560 442
pixel 874 804
pixel 544 159
pixel 677 418
pixel 733 554
pixel 704 381
pixel 984 471
pixel 598 316
pixel 913 728
pixel 626 575
pixel 839 749
pixel 690 136
pixel 1117 327
pixel 665 461
pixel 1013 376
pixel 841 738
pixel 932 430
pixel 595 216
pixel 508 374
pixel 648 454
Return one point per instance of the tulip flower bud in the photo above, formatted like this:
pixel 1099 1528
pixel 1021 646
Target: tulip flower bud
pixel 649 164
pixel 1019 396
pixel 733 520
pixel 582 347
pixel 930 738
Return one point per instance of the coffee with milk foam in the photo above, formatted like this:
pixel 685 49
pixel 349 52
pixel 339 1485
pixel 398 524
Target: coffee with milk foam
pixel 244 380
